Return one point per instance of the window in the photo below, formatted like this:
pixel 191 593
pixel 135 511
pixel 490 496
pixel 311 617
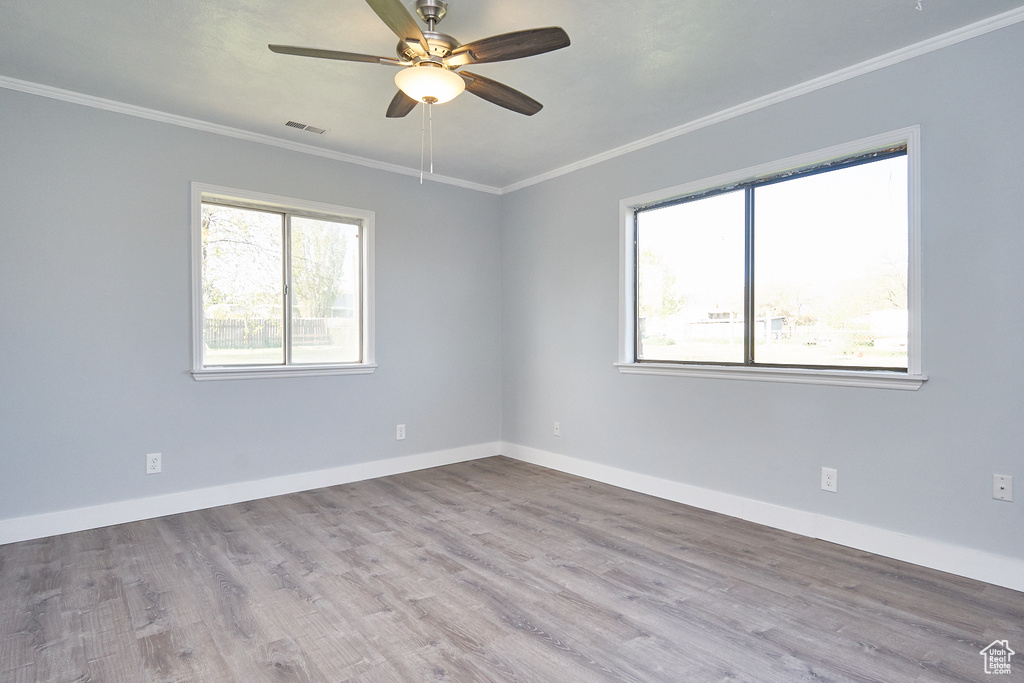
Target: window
pixel 804 270
pixel 280 286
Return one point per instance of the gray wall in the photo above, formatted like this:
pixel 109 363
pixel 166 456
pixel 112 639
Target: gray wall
pixel 95 316
pixel 498 315
pixel 915 462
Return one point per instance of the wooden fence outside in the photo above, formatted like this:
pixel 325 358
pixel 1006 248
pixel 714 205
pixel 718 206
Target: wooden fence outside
pixel 262 333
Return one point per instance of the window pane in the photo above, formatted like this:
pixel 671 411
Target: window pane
pixel 242 286
pixel 325 291
pixel 690 280
pixel 830 268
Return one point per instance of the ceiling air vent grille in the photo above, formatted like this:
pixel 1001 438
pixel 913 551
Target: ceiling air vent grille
pixel 302 126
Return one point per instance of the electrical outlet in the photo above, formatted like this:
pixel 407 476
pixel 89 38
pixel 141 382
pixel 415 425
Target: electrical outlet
pixel 153 465
pixel 558 429
pixel 829 479
pixel 1002 487
pixel 400 433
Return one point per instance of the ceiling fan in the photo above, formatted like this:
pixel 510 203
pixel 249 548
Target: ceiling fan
pixel 432 59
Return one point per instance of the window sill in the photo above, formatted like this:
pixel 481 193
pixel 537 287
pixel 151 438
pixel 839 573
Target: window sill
pixel 250 372
pixel 874 379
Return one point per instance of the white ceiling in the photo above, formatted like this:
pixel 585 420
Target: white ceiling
pixel 634 69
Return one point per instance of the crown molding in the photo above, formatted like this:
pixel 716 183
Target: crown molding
pixel 227 131
pixel 903 54
pixel 939 42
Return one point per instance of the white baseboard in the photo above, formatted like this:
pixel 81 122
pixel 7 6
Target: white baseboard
pixel 967 562
pixel 974 564
pixel 66 521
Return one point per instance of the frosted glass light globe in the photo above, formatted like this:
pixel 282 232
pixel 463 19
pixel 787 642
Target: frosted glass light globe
pixel 432 84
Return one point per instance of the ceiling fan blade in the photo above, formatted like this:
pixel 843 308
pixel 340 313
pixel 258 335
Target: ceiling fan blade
pixel 332 54
pixel 500 94
pixel 401 105
pixel 515 45
pixel 398 19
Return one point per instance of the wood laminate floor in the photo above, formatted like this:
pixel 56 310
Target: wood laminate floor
pixel 491 570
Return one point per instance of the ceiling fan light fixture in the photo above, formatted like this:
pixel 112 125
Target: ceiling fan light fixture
pixel 428 83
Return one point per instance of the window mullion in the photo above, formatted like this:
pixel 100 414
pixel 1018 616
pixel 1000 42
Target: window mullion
pixel 749 314
pixel 286 275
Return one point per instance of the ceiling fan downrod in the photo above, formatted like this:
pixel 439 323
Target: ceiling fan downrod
pixel 431 11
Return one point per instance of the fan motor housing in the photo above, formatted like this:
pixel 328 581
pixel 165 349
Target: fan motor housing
pixel 440 44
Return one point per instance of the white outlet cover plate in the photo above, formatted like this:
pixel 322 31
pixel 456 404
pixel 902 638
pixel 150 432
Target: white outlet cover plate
pixel 829 479
pixel 1002 487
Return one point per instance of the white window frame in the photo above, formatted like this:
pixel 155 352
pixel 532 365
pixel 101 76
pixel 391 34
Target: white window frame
pixel 201 192
pixel 912 379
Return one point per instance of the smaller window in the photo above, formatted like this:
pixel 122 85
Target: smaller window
pixel 280 286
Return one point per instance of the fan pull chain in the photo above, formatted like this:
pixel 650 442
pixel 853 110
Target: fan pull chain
pixel 423 132
pixel 426 114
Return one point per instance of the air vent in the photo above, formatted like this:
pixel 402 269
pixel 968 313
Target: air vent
pixel 302 126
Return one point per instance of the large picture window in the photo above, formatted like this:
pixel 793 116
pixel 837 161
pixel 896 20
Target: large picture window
pixel 281 286
pixel 796 272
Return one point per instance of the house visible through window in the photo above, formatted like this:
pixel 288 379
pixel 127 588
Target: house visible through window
pixel 282 286
pixel 806 268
